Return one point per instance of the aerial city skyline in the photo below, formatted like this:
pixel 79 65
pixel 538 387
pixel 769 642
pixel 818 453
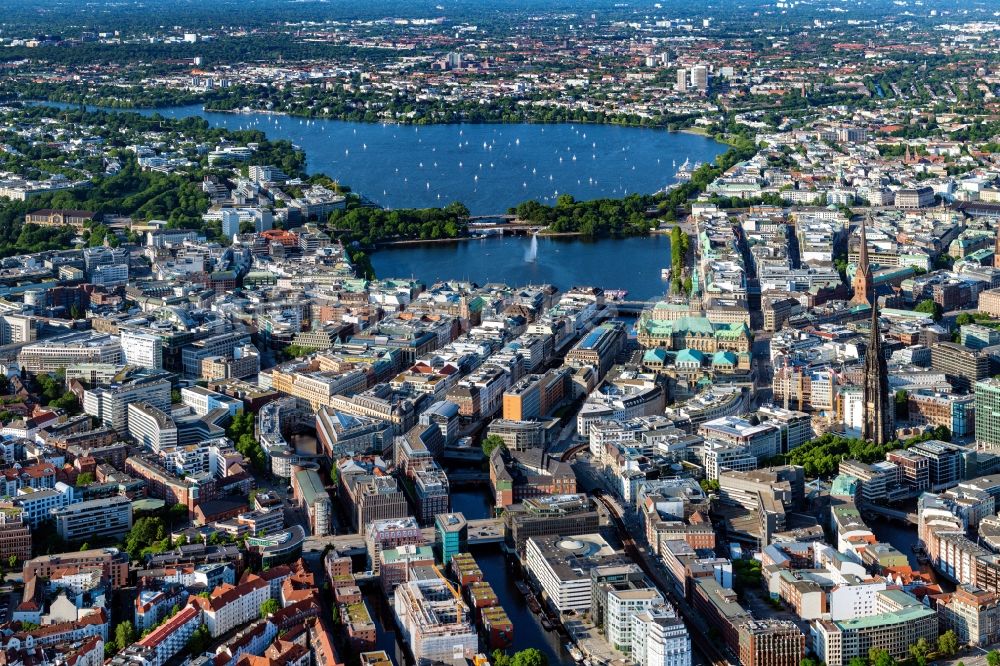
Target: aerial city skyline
pixel 535 333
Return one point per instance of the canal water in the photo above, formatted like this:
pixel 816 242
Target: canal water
pixel 488 167
pixel 633 264
pixel 900 537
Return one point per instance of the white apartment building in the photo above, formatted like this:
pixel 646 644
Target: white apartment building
pixel 142 349
pixel 623 605
pixel 16 328
pixel 660 639
pixel 861 600
pixel 39 504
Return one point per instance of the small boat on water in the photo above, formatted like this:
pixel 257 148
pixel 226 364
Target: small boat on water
pixel 685 171
pixel 574 652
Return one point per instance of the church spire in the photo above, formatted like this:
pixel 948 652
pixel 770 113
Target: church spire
pixel 878 418
pixel 863 283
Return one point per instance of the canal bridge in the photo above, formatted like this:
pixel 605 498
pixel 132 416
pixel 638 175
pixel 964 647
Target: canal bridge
pixel 886 512
pixel 631 307
pixel 481 531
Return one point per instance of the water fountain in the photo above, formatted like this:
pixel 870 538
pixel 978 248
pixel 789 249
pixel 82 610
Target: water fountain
pixel 531 254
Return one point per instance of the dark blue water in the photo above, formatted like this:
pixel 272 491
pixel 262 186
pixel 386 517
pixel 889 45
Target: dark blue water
pixel 473 504
pixel 489 168
pixel 528 631
pixel 633 264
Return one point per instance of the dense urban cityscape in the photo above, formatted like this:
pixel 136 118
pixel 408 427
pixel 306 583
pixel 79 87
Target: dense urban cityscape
pixel 499 334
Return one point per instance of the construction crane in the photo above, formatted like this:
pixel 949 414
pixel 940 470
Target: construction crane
pixel 459 605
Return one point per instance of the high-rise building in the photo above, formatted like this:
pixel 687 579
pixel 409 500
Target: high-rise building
pixel 988 413
pixel 18 328
pixel 142 349
pixel 863 282
pixel 879 413
pixel 110 404
pixel 961 365
pixel 682 80
pixel 230 223
pixel 699 77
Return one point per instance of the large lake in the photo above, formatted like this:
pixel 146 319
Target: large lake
pixel 488 167
pixel 491 168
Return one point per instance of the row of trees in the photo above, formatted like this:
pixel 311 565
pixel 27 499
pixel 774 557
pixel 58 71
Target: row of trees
pixel 822 455
pixel 680 243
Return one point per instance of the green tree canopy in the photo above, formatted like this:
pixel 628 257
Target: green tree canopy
pixel 947 643
pixel 269 607
pixel 928 306
pixel 124 634
pixel 491 443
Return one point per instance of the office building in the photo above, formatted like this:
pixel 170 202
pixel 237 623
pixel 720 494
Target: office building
pixel 899 622
pixel 150 427
pixel 659 638
pixel 112 562
pixel 311 495
pixel 988 413
pixel 109 404
pixel 100 517
pixel 962 366
pixel 452 535
pixel 561 567
pixel 623 604
pixel 973 614
pixel 70 349
pixel 535 396
pixel 771 643
pixel 598 348
pixel 15 535
pixel 432 494
pixel 565 515
pixel 919 197
pixel 370 498
pixel 141 349
pixel 391 533
pixel 763 440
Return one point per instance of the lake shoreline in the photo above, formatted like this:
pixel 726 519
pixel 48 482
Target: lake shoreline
pixel 489 167
pixel 665 127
